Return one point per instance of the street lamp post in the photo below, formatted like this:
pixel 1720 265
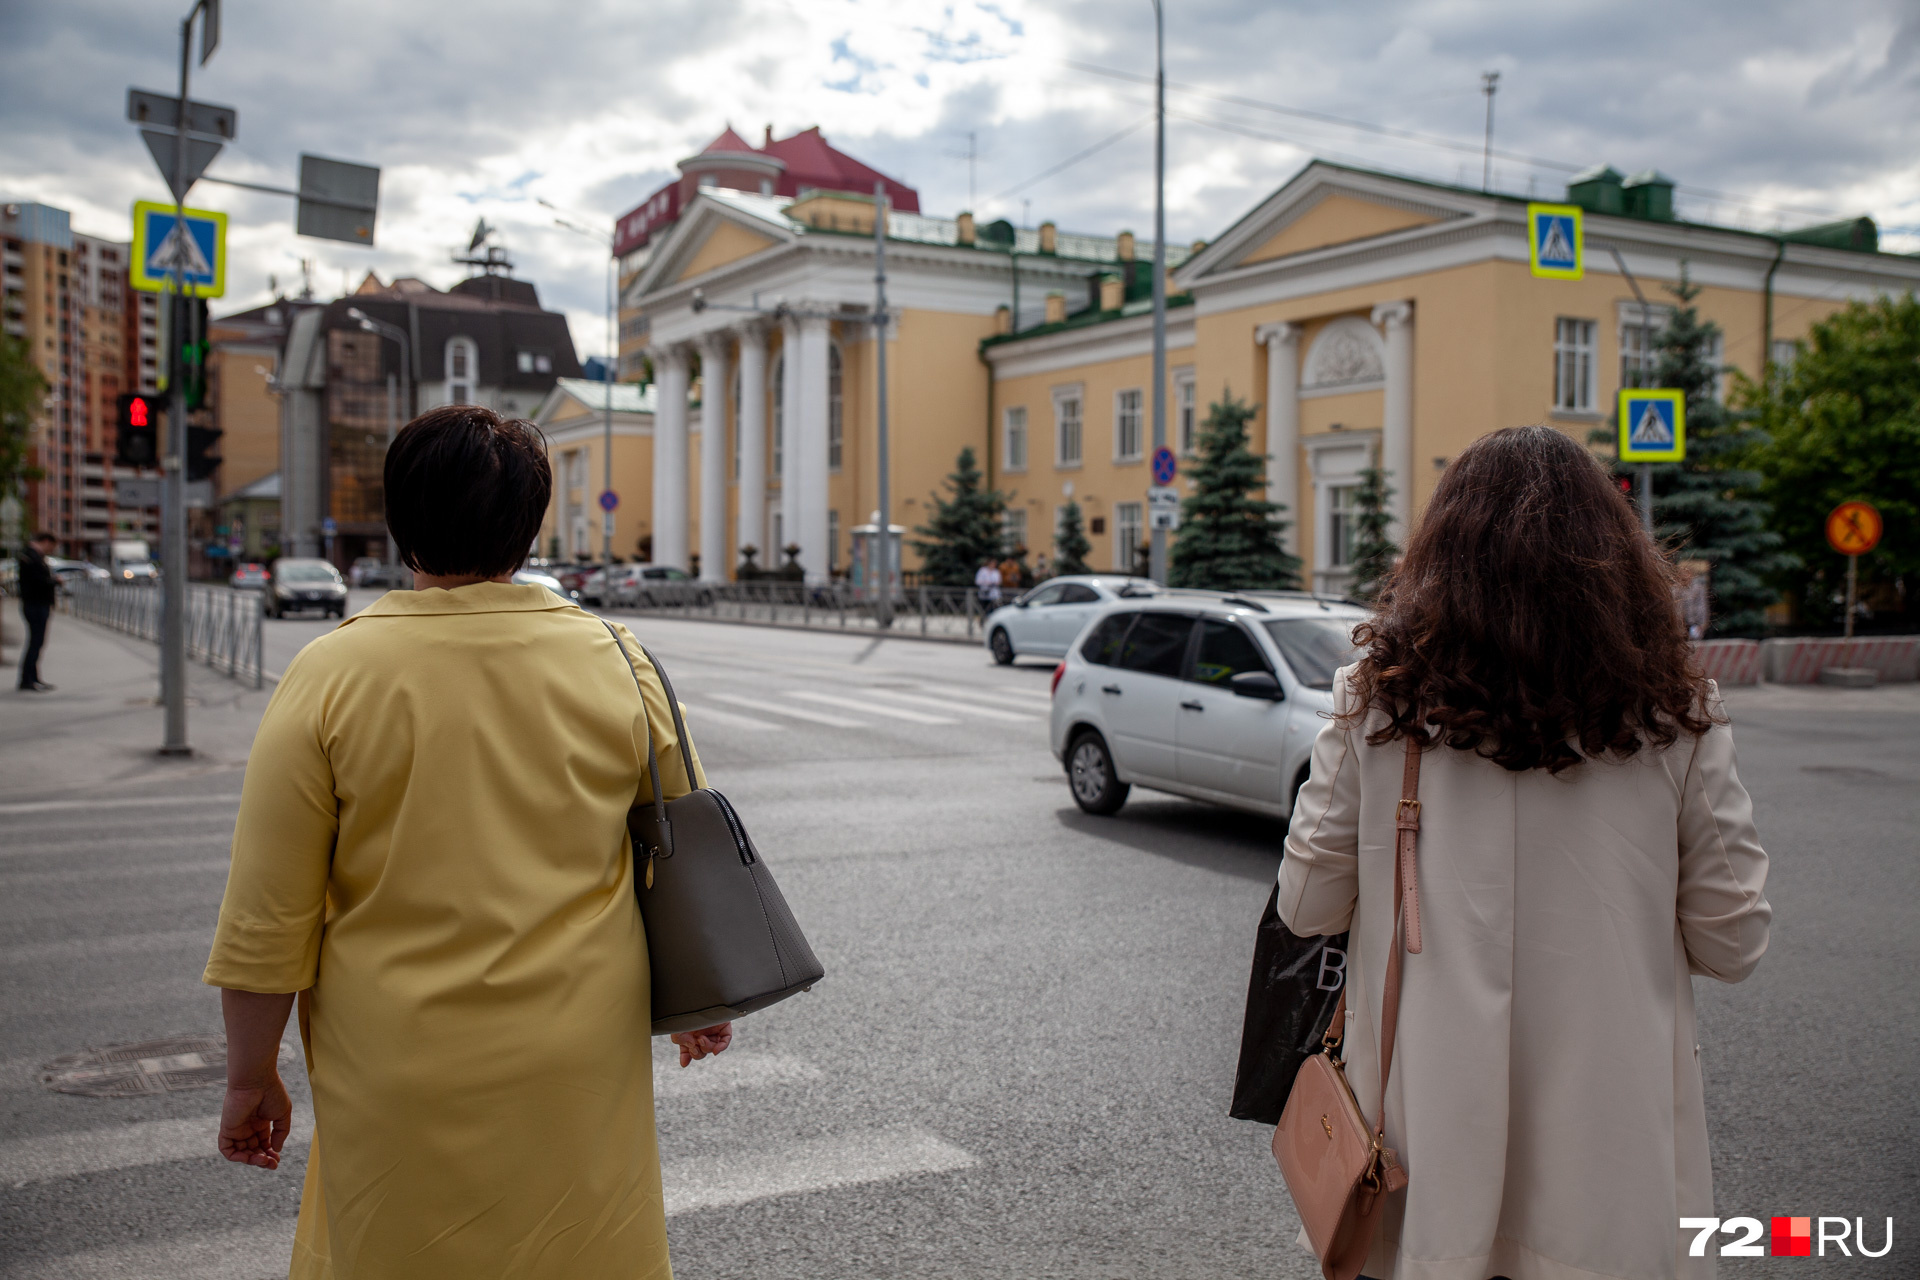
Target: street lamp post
pixel 399 335
pixel 612 371
pixel 1157 543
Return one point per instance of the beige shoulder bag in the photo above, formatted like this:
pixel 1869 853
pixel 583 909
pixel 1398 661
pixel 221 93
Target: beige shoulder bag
pixel 1338 1168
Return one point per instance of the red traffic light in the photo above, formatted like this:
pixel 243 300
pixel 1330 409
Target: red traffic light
pixel 137 413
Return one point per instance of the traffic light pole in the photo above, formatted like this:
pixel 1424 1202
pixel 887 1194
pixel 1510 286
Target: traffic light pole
pixel 173 474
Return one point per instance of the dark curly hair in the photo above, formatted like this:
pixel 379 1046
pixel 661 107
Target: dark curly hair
pixel 1531 620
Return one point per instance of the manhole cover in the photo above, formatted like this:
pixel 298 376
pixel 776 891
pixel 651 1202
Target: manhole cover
pixel 133 1070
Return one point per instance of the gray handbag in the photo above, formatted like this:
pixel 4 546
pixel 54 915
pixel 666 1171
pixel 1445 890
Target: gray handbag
pixel 721 941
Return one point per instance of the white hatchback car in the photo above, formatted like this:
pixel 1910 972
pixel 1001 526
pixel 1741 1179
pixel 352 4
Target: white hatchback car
pixel 1046 621
pixel 1214 697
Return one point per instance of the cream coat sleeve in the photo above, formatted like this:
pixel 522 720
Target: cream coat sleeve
pixel 1724 913
pixel 1320 871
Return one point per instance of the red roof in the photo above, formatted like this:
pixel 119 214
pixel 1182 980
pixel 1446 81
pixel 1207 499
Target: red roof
pixel 812 162
pixel 727 141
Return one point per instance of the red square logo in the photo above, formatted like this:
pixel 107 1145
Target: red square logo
pixel 1793 1237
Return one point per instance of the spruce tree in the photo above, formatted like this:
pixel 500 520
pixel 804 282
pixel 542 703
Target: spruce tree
pixel 1230 534
pixel 965 528
pixel 1373 552
pixel 1070 545
pixel 1708 506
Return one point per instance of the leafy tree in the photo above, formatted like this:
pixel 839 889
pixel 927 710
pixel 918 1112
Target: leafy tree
pixel 1373 552
pixel 1070 544
pixel 22 392
pixel 1843 423
pixel 1709 506
pixel 1230 534
pixel 965 528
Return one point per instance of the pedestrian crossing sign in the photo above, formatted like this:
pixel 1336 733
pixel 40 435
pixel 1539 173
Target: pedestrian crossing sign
pixel 196 244
pixel 1556 236
pixel 1653 425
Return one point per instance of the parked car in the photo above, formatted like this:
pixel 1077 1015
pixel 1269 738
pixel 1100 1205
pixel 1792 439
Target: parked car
pixel 1046 621
pixel 306 584
pixel 1214 697
pixel 597 587
pixel 250 577
pixel 395 577
pixel 533 577
pixel 649 585
pixel 68 573
pixel 570 575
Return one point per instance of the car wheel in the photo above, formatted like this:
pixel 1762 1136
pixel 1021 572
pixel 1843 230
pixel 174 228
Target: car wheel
pixel 1002 647
pixel 1096 788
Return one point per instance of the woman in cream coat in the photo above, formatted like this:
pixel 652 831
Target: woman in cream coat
pixel 1585 849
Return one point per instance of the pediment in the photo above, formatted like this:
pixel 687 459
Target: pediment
pixel 724 242
pixel 711 234
pixel 1336 218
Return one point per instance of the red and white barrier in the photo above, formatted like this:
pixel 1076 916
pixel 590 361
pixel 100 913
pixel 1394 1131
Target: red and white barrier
pixel 1729 661
pixel 1894 658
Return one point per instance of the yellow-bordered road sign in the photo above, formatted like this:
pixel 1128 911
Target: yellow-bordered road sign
pixel 1556 240
pixel 1853 528
pixel 1653 424
pixel 198 244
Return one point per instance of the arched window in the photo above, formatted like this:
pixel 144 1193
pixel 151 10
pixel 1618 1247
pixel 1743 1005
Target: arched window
pixel 463 370
pixel 835 419
pixel 779 415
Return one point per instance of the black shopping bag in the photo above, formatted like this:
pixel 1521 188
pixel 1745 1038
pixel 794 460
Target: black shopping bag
pixel 1290 998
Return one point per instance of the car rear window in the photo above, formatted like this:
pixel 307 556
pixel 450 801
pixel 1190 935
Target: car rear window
pixel 1314 648
pixel 1157 644
pixel 1102 644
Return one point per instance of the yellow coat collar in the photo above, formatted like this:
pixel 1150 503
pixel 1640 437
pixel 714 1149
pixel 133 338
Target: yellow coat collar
pixel 478 597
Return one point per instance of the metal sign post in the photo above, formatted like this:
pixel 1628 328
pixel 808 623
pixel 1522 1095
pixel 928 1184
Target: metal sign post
pixel 1157 537
pixel 883 535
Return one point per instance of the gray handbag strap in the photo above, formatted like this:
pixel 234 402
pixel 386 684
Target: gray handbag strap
pixel 653 757
pixel 673 705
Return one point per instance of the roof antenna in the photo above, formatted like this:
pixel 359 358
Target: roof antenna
pixel 1489 85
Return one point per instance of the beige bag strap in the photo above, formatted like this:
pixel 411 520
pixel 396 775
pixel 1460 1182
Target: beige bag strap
pixel 1406 916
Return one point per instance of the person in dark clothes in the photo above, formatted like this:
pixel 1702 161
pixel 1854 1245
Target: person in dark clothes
pixel 36 604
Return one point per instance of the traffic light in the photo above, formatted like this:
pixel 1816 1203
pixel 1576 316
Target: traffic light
pixel 200 442
pixel 137 434
pixel 193 351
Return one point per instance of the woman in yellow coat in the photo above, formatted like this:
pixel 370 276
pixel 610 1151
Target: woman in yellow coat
pixel 431 851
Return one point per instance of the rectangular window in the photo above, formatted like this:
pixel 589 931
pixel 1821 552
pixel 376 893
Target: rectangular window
pixel 1785 354
pixel 1573 365
pixel 1066 418
pixel 1637 356
pixel 1126 426
pixel 1128 522
pixel 1185 411
pixel 1013 529
pixel 1015 450
pixel 1340 525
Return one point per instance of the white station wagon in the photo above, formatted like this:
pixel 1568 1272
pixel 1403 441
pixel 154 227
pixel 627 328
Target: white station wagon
pixel 1214 697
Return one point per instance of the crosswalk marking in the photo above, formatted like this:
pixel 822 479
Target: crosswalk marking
pixel 48 806
pixel 821 1164
pixel 732 1070
pixel 798 713
pixel 113 844
pixel 19 880
pixel 733 718
pixel 247 1253
pixel 956 706
pixel 892 713
pixel 125 944
pixel 24 1161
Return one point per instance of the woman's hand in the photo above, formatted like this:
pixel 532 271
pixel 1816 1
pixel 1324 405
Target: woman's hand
pixel 695 1045
pixel 254 1121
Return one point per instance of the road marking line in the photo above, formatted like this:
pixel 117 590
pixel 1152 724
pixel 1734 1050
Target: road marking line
pixel 722 1179
pixel 731 1071
pixel 250 1253
pixel 733 718
pixel 112 843
pixel 817 717
pixel 48 806
pixel 111 945
pixel 895 713
pixel 19 880
pixel 127 1146
pixel 959 708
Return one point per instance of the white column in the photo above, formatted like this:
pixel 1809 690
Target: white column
pixel 751 423
pixel 815 341
pixel 716 458
pixel 1396 426
pixel 670 457
pixel 1282 341
pixel 790 369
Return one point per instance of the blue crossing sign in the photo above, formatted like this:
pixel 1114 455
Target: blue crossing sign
pixel 1556 235
pixel 196 244
pixel 1653 424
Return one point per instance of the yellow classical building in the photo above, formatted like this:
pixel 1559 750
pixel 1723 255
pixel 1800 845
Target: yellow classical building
pixel 1364 315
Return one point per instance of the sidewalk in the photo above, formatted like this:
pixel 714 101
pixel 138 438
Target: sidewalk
pixel 99 731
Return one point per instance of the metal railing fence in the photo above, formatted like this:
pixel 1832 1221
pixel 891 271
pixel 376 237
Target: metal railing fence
pixel 224 627
pixel 944 613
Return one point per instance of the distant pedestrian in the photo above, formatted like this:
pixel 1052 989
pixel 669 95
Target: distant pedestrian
pixel 1583 848
pixel 432 851
pixel 37 591
pixel 1691 596
pixel 1040 572
pixel 986 586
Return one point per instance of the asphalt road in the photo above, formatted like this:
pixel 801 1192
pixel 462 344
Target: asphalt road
pixel 1020 1060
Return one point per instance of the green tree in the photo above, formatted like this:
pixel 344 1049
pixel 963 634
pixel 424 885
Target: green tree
pixel 1070 545
pixel 1373 552
pixel 965 528
pixel 1843 423
pixel 1709 506
pixel 22 393
pixel 1230 534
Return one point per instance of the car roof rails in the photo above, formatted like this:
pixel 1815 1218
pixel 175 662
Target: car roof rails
pixel 1246 602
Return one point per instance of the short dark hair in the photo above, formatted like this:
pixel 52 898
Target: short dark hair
pixel 41 535
pixel 466 491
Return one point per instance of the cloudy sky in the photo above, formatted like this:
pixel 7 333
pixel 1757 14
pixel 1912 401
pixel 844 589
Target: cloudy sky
pixel 1767 113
